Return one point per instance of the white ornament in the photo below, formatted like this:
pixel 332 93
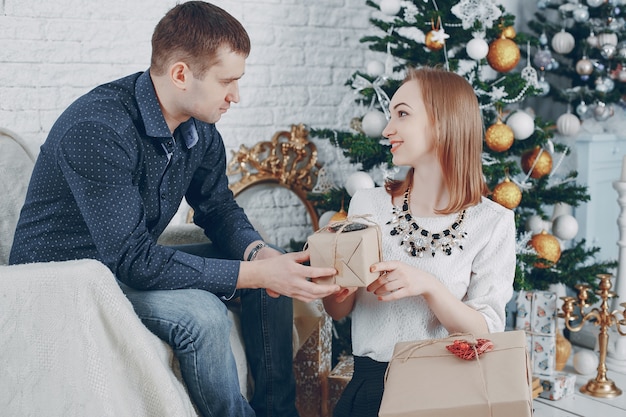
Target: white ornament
pixel 582 110
pixel 390 7
pixel 595 3
pixel 522 125
pixel 565 227
pixel 581 13
pixel 439 35
pixel 477 48
pixel 374 123
pixel 535 224
pixel 470 11
pixel 602 112
pixel 563 42
pixel 568 124
pixel 487 73
pixel 325 217
pixel 586 362
pixel 324 183
pixel 607 38
pixel 543 86
pixel 375 69
pixel 360 180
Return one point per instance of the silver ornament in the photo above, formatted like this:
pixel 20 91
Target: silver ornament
pixel 582 110
pixel 581 14
pixel 543 86
pixel 604 85
pixel 542 58
pixel 584 66
pixel 608 51
pixel 595 3
pixel 602 112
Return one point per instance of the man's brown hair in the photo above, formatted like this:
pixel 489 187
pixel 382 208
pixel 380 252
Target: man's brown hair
pixel 193 32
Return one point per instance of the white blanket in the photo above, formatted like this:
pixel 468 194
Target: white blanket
pixel 71 345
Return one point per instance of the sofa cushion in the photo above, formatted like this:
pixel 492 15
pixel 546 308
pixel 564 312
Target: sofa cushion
pixel 72 345
pixel 16 165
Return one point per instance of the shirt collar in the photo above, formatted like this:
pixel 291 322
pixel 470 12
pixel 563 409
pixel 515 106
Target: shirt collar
pixel 148 104
pixel 152 116
pixel 189 133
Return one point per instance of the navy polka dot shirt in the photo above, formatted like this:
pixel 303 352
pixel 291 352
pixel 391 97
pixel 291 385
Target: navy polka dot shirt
pixel 109 178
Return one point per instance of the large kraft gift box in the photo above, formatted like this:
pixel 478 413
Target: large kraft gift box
pixel 536 315
pixel 424 379
pixel 351 248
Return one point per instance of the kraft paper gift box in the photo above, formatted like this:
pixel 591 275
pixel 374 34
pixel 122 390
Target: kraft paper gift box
pixel 557 386
pixel 350 248
pixel 536 314
pixel 338 380
pixel 424 379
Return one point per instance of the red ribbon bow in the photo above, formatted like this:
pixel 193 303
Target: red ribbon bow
pixel 470 350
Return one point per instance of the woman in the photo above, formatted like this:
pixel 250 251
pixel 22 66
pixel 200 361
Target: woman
pixel 448 251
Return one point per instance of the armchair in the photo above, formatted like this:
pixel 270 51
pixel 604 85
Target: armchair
pixel 72 345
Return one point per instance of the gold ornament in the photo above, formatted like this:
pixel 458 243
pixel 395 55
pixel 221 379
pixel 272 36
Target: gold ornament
pixel 504 54
pixel 499 137
pixel 547 247
pixel 432 44
pixel 542 167
pixel 340 216
pixel 509 32
pixel 563 351
pixel 507 194
pixel 433 39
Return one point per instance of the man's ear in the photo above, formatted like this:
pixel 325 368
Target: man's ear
pixel 180 74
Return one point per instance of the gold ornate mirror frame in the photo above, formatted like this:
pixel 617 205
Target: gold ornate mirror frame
pixel 288 160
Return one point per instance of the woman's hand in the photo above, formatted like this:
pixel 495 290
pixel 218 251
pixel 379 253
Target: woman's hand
pixel 343 293
pixel 398 280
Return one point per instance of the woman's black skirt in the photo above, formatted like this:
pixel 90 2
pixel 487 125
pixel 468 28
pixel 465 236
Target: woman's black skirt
pixel 364 393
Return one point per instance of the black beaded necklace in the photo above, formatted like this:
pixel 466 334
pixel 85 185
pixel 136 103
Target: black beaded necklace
pixel 418 240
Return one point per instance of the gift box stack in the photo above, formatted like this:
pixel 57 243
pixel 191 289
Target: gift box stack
pixel 338 379
pixel 536 315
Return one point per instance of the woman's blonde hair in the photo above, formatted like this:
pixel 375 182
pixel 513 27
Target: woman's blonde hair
pixel 457 126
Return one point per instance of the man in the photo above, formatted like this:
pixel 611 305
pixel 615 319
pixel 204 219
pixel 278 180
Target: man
pixel 112 174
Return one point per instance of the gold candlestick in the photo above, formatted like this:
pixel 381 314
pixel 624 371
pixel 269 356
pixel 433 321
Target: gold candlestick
pixel 600 386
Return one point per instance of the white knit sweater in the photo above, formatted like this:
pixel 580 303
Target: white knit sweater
pixel 481 274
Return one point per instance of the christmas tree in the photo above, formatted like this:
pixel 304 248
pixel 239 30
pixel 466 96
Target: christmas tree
pixel 521 161
pixel 580 58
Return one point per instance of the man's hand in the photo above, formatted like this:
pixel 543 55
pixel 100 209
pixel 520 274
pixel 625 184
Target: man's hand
pixel 284 274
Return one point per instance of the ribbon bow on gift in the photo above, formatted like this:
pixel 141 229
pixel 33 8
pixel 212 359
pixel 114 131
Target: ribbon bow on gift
pixel 469 350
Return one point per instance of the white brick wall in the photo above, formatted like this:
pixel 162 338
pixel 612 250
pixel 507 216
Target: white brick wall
pixel 302 54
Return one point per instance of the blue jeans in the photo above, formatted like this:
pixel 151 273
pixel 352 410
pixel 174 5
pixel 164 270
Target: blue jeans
pixel 194 323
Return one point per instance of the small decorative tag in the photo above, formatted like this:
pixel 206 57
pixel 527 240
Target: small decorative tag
pixel 469 350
